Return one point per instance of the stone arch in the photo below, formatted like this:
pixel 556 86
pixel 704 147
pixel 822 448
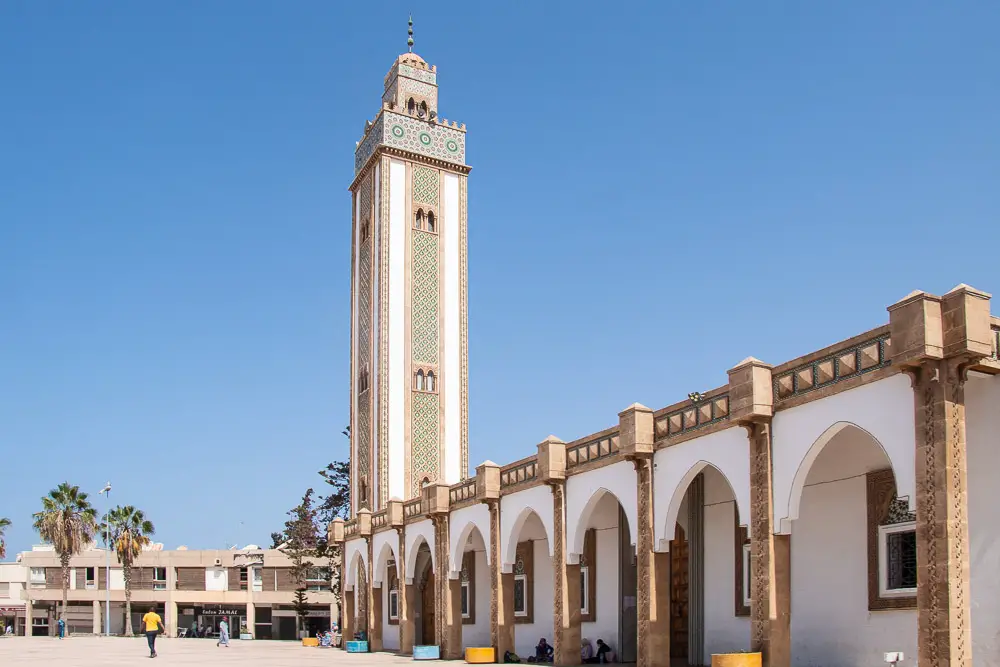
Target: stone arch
pixel 356 556
pixel 386 548
pixel 675 467
pixel 883 409
pixel 463 523
pixel 584 492
pixel 514 511
pixel 806 465
pixel 418 533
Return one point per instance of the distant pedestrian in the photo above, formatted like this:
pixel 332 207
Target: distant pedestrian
pixel 62 627
pixel 152 624
pixel 223 633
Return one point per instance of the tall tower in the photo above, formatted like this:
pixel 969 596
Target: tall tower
pixel 409 316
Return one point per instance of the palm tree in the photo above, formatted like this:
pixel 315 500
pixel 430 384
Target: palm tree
pixel 67 522
pixel 4 524
pixel 130 531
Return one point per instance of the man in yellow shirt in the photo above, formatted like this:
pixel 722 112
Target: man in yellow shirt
pixel 153 624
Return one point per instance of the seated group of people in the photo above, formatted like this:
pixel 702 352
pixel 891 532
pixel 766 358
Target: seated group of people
pixel 544 653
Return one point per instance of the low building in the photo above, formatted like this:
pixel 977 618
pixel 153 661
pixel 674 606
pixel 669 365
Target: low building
pixel 12 581
pixel 251 588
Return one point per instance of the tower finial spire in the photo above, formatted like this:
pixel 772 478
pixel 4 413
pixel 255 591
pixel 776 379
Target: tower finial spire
pixel 409 32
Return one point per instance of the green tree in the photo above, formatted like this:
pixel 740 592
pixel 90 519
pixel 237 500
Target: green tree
pixel 67 522
pixel 4 525
pixel 301 545
pixel 335 505
pixel 130 531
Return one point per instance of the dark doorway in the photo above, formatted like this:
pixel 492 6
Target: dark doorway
pixel 628 581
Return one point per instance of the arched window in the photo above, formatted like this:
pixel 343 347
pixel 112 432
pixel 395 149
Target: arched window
pixel 419 222
pixel 410 105
pixel 431 227
pixel 422 110
pixel 426 481
pixel 430 381
pixel 420 381
pixel 366 231
pixel 363 492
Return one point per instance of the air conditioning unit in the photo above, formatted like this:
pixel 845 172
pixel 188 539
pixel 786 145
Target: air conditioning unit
pixel 218 561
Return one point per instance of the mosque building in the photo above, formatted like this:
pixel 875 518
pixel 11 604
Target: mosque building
pixel 824 510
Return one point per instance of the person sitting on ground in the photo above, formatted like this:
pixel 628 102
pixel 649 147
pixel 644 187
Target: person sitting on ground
pixel 604 652
pixel 543 652
pixel 586 651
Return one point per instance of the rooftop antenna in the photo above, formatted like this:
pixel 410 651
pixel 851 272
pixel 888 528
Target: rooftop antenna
pixel 409 32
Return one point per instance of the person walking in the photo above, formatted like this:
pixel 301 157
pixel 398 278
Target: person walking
pixel 152 624
pixel 223 633
pixel 62 627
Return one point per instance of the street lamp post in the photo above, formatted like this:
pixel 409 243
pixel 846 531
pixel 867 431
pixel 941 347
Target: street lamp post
pixel 107 548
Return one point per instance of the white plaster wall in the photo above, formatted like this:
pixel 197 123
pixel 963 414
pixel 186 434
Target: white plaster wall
pixel 377 277
pixel 526 635
pixel 390 633
pixel 478 633
pixel 451 317
pixel 883 408
pixel 398 378
pixel 462 523
pixel 421 531
pixel 604 521
pixel 515 509
pixel 676 466
pixel 385 546
pixel 831 624
pixel 725 632
pixel 584 493
pixel 982 432
pixel 354 551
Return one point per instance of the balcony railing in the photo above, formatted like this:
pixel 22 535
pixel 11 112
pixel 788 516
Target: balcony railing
pixel 592 450
pixel 520 472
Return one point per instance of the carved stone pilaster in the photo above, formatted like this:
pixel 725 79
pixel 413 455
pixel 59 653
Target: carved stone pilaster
pixel 447 603
pixel 944 635
pixel 566 592
pixel 374 597
pixel 405 593
pixel 653 578
pixel 501 593
pixel 770 585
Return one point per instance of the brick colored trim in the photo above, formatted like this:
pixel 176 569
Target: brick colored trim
pixel 741 538
pixel 526 553
pixel 469 565
pixel 881 489
pixel 590 556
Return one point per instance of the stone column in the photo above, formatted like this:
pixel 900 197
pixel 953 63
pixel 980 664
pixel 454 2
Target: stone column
pixel 448 611
pixel 635 441
pixel 935 340
pixel 29 615
pixel 566 576
pixel 501 586
pixel 97 630
pixel 405 625
pixel 170 622
pixel 348 614
pixel 252 619
pixel 375 619
pixel 751 404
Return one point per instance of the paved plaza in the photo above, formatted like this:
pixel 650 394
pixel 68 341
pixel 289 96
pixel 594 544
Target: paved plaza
pixel 114 651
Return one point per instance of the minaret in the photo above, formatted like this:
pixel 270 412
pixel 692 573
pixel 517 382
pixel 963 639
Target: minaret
pixel 409 316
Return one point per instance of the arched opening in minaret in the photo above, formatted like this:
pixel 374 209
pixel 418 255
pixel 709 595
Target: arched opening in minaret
pixel 431 222
pixel 422 109
pixel 411 105
pixel 419 382
pixel 429 384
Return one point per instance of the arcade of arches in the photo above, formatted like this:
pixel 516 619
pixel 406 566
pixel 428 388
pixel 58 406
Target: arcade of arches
pixel 853 513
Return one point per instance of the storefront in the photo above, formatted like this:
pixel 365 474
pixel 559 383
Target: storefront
pixel 12 618
pixel 140 609
pixel 283 621
pixel 204 620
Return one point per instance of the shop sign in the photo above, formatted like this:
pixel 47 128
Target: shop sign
pixel 220 611
pixel 318 613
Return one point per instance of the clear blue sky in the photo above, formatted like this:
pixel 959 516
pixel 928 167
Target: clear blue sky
pixel 657 193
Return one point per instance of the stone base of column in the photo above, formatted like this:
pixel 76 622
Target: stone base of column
pixel 567 630
pixel 505 617
pixel 375 620
pixel 451 644
pixel 97 617
pixel 406 618
pixel 251 619
pixel 654 638
pixel 348 629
